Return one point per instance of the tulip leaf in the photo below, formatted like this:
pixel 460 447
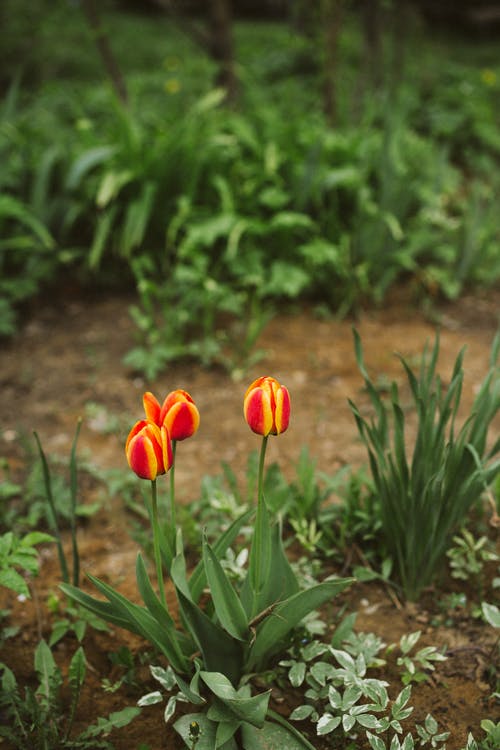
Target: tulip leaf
pixel 197 580
pixel 283 582
pixel 271 632
pixel 166 547
pixel 155 607
pixel 226 731
pixel 276 587
pixel 228 607
pixel 217 647
pixel 98 607
pixel 143 623
pixel 252 709
pixel 191 691
pixel 273 736
pixel 151 600
pixel 254 590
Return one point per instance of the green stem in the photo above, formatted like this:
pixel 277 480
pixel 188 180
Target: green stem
pixel 172 492
pixel 260 486
pixel 156 542
pixel 260 535
pixel 74 493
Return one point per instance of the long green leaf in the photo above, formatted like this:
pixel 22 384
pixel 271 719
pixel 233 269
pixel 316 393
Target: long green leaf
pixel 76 677
pixel 228 607
pixel 255 590
pixel 52 513
pixel 159 612
pixel 46 667
pixel 137 217
pixel 271 633
pixel 73 467
pixel 103 230
pixel 198 580
pixel 86 162
pixel 220 651
pixel 13 208
pixel 98 607
pixel 142 619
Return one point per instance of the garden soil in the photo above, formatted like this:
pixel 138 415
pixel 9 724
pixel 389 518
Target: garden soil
pixel 67 362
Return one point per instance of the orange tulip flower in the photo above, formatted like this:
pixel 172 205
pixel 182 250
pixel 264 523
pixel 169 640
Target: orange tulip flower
pixel 178 413
pixel 267 407
pixel 149 450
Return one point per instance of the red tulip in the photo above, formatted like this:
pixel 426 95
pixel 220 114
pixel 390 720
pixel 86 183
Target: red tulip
pixel 149 450
pixel 267 407
pixel 178 413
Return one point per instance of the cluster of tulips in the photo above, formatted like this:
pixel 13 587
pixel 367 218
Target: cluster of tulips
pixel 227 639
pixel 150 446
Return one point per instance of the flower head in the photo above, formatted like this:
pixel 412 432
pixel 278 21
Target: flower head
pixel 178 413
pixel 149 450
pixel 266 407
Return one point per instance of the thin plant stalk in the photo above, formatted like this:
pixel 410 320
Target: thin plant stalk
pixel 74 489
pixel 173 519
pixel 156 541
pixel 52 515
pixel 257 552
pixel 260 486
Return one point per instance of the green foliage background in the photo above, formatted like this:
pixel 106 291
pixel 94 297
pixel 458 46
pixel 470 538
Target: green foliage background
pixel 215 215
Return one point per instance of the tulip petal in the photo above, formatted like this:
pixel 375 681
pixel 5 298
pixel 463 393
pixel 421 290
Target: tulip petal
pixel 258 411
pixel 267 406
pixel 151 407
pixel 282 415
pixel 135 431
pixel 144 450
pixel 182 420
pixel 172 398
pixel 167 452
pixel 180 415
pixel 141 457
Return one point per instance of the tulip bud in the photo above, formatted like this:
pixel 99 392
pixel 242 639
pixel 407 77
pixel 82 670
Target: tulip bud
pixel 179 415
pixel 267 407
pixel 149 450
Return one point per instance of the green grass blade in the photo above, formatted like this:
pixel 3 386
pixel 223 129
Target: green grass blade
pixel 52 514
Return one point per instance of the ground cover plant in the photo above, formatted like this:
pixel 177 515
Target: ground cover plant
pixel 225 694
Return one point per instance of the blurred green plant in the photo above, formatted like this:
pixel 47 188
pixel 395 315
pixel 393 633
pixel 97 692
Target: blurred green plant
pixel 217 216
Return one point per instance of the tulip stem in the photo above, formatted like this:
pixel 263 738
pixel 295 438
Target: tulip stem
pixel 156 542
pixel 172 492
pixel 260 486
pixel 256 552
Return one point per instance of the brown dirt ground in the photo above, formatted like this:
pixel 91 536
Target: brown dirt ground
pixel 69 353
